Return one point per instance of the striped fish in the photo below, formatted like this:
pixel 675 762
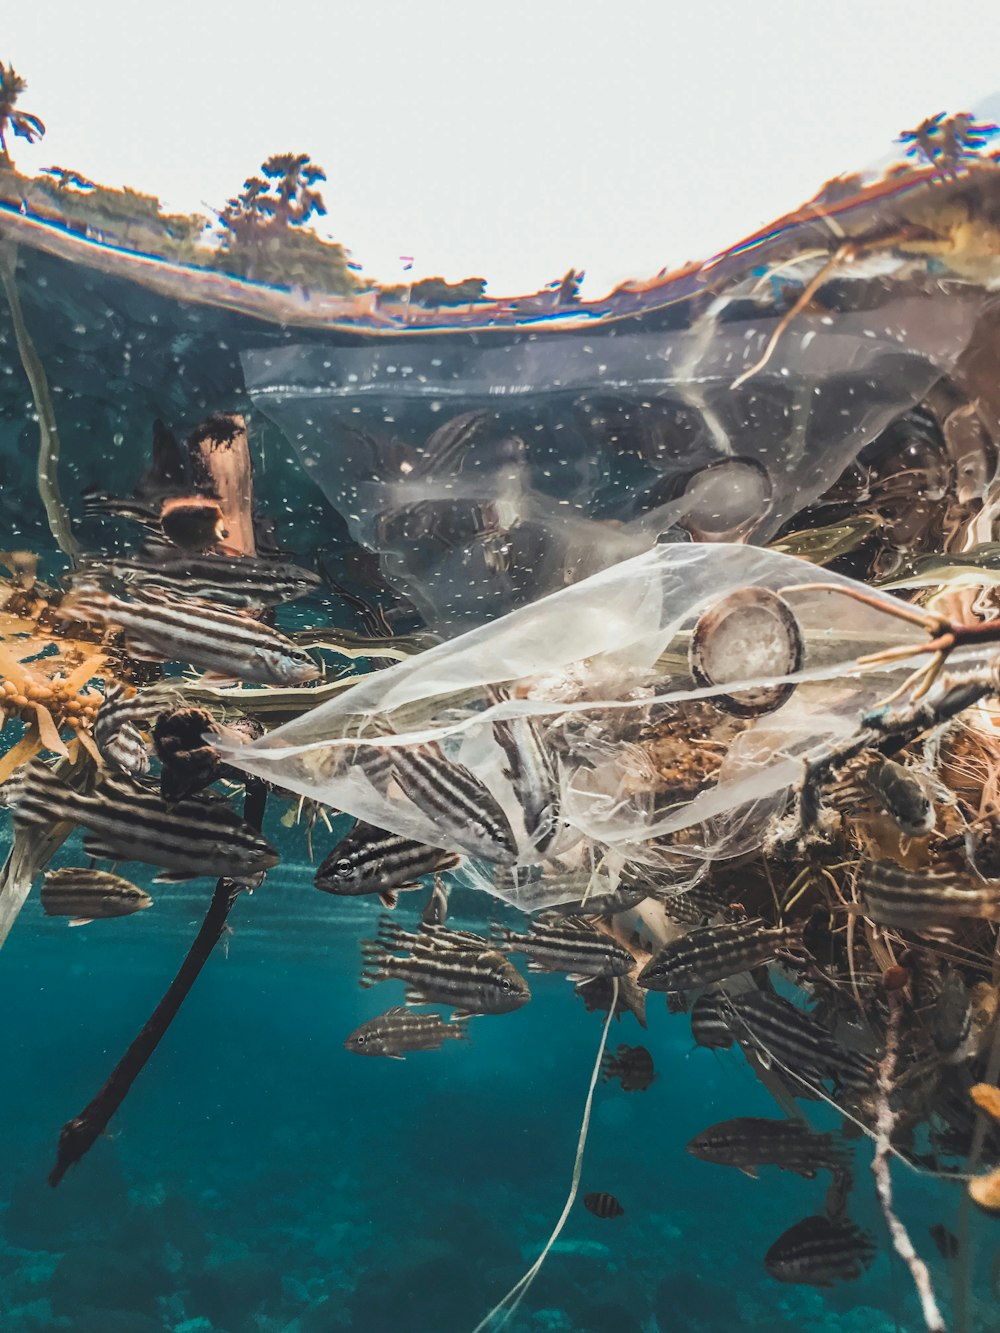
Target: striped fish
pixel 904 795
pixel 532 774
pixel 603 1205
pixel 436 911
pixel 923 899
pixel 773 1028
pixel 161 627
pixel 128 821
pixel 818 1251
pixel 713 953
pixel 748 1142
pixel 632 1066
pixel 399 1030
pixel 89 895
pixel 473 980
pixel 450 794
pixel 369 860
pixel 710 1018
pixel 568 944
pixel 118 727
pixel 235 581
pixel 430 938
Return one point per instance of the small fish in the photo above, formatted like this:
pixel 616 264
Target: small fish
pixel 118 727
pixel 748 1142
pixel 369 860
pixel 713 953
pixel 568 944
pixel 924 899
pixel 473 980
pixel 819 1251
pixel 188 764
pixel 631 1065
pixel 233 581
pixel 945 1241
pixel 982 847
pixel 129 821
pixel 905 796
pixel 951 1019
pixel 532 774
pixel 90 895
pixel 449 792
pixel 710 1019
pixel 161 627
pixel 399 1030
pixel 603 1205
pixel 773 1028
pixel 436 911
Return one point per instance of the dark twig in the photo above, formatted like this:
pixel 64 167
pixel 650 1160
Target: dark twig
pixel 78 1135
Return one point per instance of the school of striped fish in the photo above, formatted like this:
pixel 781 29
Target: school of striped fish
pixel 791 958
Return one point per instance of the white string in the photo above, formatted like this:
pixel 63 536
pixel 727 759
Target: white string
pixel 520 1288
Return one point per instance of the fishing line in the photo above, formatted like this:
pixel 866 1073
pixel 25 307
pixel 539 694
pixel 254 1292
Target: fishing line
pixel 841 1110
pixel 520 1288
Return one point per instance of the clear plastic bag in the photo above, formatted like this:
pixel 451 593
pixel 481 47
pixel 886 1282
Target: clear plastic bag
pixel 486 476
pixel 647 759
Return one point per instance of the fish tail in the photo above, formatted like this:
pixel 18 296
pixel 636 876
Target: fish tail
pixel 374 958
pixel 502 936
pixel 458 1028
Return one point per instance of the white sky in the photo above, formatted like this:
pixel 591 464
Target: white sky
pixel 503 138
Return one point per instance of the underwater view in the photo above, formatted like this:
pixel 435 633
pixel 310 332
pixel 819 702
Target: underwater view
pixel 500 796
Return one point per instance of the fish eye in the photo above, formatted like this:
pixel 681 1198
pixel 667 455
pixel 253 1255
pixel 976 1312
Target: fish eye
pixel 343 869
pixel 361 1038
pixel 505 983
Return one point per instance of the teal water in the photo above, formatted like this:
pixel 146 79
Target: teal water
pixel 259 1176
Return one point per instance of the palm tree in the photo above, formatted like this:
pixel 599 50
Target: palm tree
pixel 296 200
pixel 947 142
pixel 22 123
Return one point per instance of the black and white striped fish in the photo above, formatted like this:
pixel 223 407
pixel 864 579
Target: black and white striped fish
pixel 129 821
pixel 449 793
pixel 820 1250
pixel 603 1205
pixel 161 627
pixel 118 727
pixel 90 895
pixel 710 1021
pixel 904 794
pixel 235 581
pixel 400 1030
pixel 473 980
pixel 713 953
pixel 748 1142
pixel 923 899
pixel 436 911
pixel 370 860
pixel 532 773
pixel 570 945
pixel 774 1029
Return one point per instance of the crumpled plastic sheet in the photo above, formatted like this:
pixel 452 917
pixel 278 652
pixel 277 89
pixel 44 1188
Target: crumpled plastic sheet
pixel 587 664
pixel 488 474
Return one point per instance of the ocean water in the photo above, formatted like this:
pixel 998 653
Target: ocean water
pixel 259 1178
